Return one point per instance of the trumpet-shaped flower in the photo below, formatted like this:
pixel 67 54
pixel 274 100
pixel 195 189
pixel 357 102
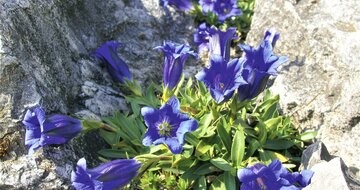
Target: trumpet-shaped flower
pixel 175 57
pixel 218 42
pixel 259 65
pixel 109 175
pixel 222 8
pixel 41 131
pixel 182 5
pixel 272 177
pixel 114 64
pixel 222 78
pixel 167 125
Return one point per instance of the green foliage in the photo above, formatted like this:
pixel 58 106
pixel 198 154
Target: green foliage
pixel 242 23
pixel 230 136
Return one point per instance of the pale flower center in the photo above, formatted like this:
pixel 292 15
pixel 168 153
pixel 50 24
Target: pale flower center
pixel 164 128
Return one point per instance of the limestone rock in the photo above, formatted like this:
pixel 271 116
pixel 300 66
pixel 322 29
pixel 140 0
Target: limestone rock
pixel 314 154
pixel 328 175
pixel 329 172
pixel 44 60
pixel 320 85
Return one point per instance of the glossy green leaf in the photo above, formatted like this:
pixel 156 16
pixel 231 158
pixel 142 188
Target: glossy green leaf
pixel 238 148
pixel 224 136
pixel 229 181
pixel 262 132
pixel 267 156
pixel 222 164
pixel 278 144
pixel 309 135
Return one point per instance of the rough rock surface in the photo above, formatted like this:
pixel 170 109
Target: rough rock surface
pixel 44 60
pixel 320 86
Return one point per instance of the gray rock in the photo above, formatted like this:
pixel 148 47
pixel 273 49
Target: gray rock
pixel 328 175
pixel 329 172
pixel 44 60
pixel 320 85
pixel 314 154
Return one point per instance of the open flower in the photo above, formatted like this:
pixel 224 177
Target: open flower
pixel 114 64
pixel 182 5
pixel 175 57
pixel 259 65
pixel 56 129
pixel 222 78
pixel 167 125
pixel 222 8
pixel 272 177
pixel 109 175
pixel 218 42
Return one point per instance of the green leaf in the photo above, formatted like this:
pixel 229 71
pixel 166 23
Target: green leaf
pixel 273 123
pixel 93 124
pixel 201 150
pixel 189 83
pixel 307 136
pixel 150 95
pixel 238 148
pixel 253 146
pixel 110 137
pixel 200 183
pixel 278 144
pixel 229 181
pixel 205 168
pixel 224 136
pixel 179 85
pixel 262 132
pixel 202 88
pixel 135 108
pixel 218 183
pixel 267 156
pixel 192 139
pixel 222 164
pixel 270 111
pixel 189 175
pixel 114 153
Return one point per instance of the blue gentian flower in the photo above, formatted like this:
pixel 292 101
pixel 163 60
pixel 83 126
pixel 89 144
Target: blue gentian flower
pixel 167 125
pixel 222 8
pixel 222 78
pixel 272 177
pixel 41 131
pixel 175 57
pixel 110 175
pixel 201 37
pixel 182 5
pixel 259 65
pixel 114 64
pixel 207 5
pixel 217 41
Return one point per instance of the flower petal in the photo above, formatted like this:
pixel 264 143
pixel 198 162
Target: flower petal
pixel 186 126
pixel 80 178
pixel 174 145
pixel 246 175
